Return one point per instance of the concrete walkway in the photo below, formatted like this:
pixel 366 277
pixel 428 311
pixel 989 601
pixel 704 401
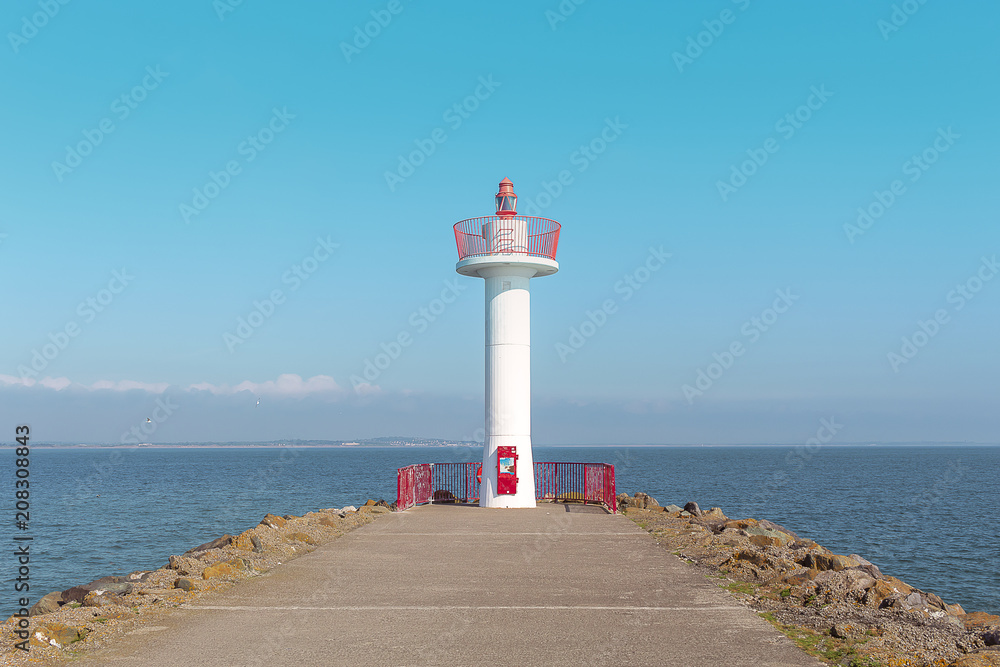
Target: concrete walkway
pixel 456 585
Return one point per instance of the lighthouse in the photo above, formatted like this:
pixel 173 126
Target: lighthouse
pixel 507 250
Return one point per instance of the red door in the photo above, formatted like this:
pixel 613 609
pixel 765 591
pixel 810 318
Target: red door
pixel 506 470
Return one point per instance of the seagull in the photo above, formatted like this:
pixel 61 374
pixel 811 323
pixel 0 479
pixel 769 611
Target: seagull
pixel 148 420
pixel 258 403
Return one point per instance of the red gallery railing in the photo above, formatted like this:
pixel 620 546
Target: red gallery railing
pixel 506 235
pixel 459 482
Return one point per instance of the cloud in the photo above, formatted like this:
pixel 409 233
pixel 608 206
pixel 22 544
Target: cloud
pixel 287 384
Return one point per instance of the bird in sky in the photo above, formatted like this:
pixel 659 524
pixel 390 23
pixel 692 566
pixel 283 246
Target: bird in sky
pixel 258 403
pixel 148 420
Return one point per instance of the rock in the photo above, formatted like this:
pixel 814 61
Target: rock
pixel 693 508
pixel 302 537
pixel 227 568
pixel 770 525
pixel 185 585
pixel 273 521
pixel 685 513
pixel 914 600
pixel 382 503
pixel 116 585
pixel 349 508
pixel 329 523
pixel 97 598
pixel 954 609
pixel 673 508
pixel 979 620
pixel 984 659
pixel 370 503
pixel 258 546
pixel 844 630
pixel 47 604
pixel 765 541
pixel 60 635
pixel 829 562
pixel 644 501
pixel 775 538
pixel 867 566
pixel 798 578
pixel 991 637
pixel 244 540
pixel 218 543
pixel 757 558
pixel 139 577
pixel 715 513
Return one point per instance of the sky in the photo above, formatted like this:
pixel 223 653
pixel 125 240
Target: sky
pixel 779 219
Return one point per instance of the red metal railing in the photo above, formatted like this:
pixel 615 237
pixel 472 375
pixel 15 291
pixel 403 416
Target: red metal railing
pixel 459 482
pixel 413 485
pixel 504 235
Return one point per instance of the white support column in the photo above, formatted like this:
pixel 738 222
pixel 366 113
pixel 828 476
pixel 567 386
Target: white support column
pixel 508 382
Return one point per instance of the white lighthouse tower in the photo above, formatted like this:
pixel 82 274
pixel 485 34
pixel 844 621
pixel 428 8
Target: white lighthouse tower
pixel 508 250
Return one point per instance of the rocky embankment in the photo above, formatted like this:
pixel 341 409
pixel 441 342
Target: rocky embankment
pixel 840 608
pixel 63 624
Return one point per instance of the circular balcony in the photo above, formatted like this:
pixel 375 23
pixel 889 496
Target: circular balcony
pixel 506 235
pixel 495 240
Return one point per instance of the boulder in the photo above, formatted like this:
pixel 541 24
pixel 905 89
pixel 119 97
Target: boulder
pixel 223 569
pixel 775 538
pixel 217 543
pixel 300 537
pixel 47 604
pixel 329 523
pixel 991 637
pixel 60 635
pixel 673 508
pixel 273 521
pixel 349 508
pixel 979 659
pixel 115 585
pixel 715 513
pixel 954 609
pixel 829 562
pixel 845 630
pixel 978 620
pixel 370 503
pixel 693 508
pixel 867 566
pixel 185 565
pixel 97 598
pixel 185 585
pixel 754 557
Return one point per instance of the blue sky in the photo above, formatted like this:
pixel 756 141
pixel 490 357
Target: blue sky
pixel 248 154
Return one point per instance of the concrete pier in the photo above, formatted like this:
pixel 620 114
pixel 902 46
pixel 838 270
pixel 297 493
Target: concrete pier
pixel 575 585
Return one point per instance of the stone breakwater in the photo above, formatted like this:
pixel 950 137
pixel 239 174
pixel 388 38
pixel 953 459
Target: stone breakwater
pixel 65 624
pixel 839 608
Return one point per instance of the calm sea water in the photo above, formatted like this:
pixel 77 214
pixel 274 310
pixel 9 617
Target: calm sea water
pixel 927 515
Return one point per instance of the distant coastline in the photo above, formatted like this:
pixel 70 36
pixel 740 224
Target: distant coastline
pixel 394 443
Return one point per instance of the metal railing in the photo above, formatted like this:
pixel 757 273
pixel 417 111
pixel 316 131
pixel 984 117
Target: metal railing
pixel 507 235
pixel 459 483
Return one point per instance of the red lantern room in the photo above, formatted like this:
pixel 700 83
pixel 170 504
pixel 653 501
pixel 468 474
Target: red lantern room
pixel 506 199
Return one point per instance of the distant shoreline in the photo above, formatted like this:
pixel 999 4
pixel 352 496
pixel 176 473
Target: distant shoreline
pixel 61 446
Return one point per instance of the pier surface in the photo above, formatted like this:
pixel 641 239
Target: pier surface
pixel 460 585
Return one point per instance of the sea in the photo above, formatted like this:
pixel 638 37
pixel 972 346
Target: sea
pixel 925 514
